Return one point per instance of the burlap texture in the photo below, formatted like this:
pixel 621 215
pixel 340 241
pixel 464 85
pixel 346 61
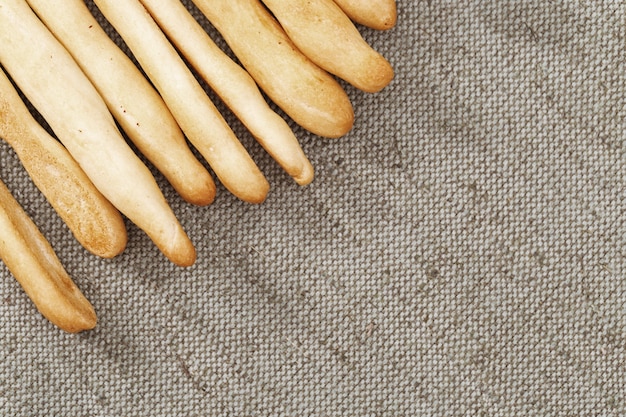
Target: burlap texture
pixel 460 253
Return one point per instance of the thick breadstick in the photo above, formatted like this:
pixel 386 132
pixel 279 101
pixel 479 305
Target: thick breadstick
pixel 134 103
pixel 55 85
pixel 323 32
pixel 376 14
pixel 33 262
pixel 308 94
pixel 93 220
pixel 234 86
pixel 196 114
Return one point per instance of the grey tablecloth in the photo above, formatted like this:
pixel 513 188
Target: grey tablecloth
pixel 460 252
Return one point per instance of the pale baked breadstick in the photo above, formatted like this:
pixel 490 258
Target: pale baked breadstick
pixel 196 114
pixel 134 103
pixel 323 32
pixel 93 220
pixel 305 92
pixel 34 264
pixel 55 85
pixel 234 86
pixel 376 14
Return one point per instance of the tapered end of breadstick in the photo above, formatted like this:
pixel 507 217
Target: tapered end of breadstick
pixel 55 295
pixel 176 246
pixel 69 318
pixel 255 192
pixel 199 191
pixel 294 162
pixel 331 125
pixel 304 175
pixel 171 155
pixel 236 170
pixel 377 75
pixel 379 15
pixel 383 21
pixel 110 243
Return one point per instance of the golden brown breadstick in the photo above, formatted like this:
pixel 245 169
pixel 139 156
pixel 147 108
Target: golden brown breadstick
pixel 93 220
pixel 234 86
pixel 376 14
pixel 308 94
pixel 56 86
pixel 134 103
pixel 323 32
pixel 33 262
pixel 196 114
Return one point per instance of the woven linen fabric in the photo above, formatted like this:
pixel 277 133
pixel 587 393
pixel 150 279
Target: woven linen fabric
pixel 461 252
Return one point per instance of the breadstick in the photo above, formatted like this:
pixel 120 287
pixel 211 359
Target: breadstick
pixel 134 103
pixel 196 114
pixel 305 92
pixel 233 85
pixel 323 32
pixel 34 264
pixel 55 85
pixel 93 220
pixel 376 14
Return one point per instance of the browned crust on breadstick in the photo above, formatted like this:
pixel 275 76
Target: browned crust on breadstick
pixel 93 220
pixel 308 94
pixel 56 86
pixel 376 14
pixel 323 32
pixel 234 86
pixel 196 114
pixel 34 264
pixel 134 103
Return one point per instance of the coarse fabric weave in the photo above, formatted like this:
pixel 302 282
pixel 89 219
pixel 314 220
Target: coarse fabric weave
pixel 461 251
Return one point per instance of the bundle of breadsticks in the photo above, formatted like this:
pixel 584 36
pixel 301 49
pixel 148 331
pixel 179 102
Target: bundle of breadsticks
pixel 94 98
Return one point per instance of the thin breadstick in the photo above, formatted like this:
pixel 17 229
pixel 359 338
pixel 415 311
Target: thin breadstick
pixel 376 14
pixel 55 85
pixel 233 85
pixel 196 114
pixel 93 220
pixel 134 103
pixel 34 264
pixel 305 92
pixel 323 32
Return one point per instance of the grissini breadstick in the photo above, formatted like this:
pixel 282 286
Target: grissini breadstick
pixel 234 86
pixel 134 103
pixel 93 220
pixel 323 32
pixel 194 111
pixel 55 85
pixel 34 264
pixel 305 92
pixel 376 14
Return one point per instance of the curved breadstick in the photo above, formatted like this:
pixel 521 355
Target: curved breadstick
pixel 234 86
pixel 376 14
pixel 134 103
pixel 308 94
pixel 55 85
pixel 32 261
pixel 93 220
pixel 198 117
pixel 323 32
